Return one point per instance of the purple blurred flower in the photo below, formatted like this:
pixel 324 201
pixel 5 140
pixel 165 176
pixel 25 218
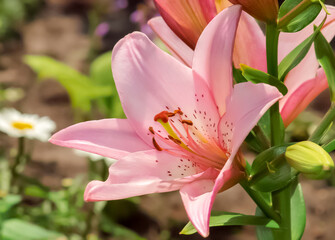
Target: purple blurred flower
pixel 102 29
pixel 121 4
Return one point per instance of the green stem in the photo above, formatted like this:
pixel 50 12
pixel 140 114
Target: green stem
pixel 263 139
pixel 260 201
pixel 18 160
pixel 282 203
pixel 324 125
pixel 272 37
pixel 282 198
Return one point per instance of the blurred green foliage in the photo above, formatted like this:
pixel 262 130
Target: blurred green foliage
pixel 82 89
pixel 13 13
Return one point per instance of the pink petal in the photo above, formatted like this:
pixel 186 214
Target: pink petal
pixel 250 44
pixel 143 173
pixel 187 18
pixel 198 197
pixel 308 66
pixel 247 105
pixel 212 59
pixel 150 81
pixel 294 102
pixel 198 200
pixel 113 138
pixel 178 48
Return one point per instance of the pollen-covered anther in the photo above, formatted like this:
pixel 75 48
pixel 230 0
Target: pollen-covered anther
pixel 151 130
pixel 162 116
pixel 180 112
pixel 188 122
pixel 156 144
pixel 177 141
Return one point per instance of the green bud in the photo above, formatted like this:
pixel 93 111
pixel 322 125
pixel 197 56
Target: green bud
pixel 310 159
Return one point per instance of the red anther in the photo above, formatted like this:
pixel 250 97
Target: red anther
pixel 178 111
pixel 156 144
pixel 188 122
pixel 176 141
pixel 171 114
pixel 164 116
pixel 151 130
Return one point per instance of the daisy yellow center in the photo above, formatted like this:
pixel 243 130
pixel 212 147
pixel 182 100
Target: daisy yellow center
pixel 22 125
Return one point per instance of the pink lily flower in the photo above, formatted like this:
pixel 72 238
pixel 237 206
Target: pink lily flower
pixel 184 126
pixel 305 82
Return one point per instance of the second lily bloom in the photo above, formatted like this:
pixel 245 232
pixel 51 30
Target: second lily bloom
pixel 304 82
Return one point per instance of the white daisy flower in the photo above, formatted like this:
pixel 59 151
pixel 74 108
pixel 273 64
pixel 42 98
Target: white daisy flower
pixel 17 124
pixel 94 157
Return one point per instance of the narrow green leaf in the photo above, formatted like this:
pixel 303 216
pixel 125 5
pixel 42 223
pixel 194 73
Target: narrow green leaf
pixel 270 171
pixel 298 211
pixel 15 229
pixel 329 147
pixel 219 219
pixel 263 233
pixel 8 202
pixel 294 15
pixel 294 58
pixel 79 87
pixel 238 77
pixel 261 161
pixel 326 58
pixel 257 76
pixel 253 143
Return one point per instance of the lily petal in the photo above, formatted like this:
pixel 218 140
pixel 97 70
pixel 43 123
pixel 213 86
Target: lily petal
pixel 143 173
pixel 247 105
pixel 249 46
pixel 154 78
pixel 113 138
pixel 198 198
pixel 213 54
pixel 178 48
pixel 198 201
pixel 296 101
pixel 187 18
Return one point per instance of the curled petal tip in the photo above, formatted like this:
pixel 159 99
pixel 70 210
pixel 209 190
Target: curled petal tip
pixel 90 191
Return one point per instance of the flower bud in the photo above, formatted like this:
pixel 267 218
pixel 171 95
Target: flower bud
pixel 264 10
pixel 310 159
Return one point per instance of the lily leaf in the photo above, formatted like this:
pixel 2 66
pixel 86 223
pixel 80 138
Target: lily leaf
pixel 256 76
pixel 298 211
pixel 307 13
pixel 14 229
pixel 294 58
pixel 270 171
pixel 232 219
pixel 8 202
pixel 263 233
pixel 79 87
pixel 329 147
pixel 238 77
pixel 326 58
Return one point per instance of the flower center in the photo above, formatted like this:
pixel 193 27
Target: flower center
pixel 183 135
pixel 22 125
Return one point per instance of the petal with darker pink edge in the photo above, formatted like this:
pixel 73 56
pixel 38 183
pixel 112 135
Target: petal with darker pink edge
pixel 178 48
